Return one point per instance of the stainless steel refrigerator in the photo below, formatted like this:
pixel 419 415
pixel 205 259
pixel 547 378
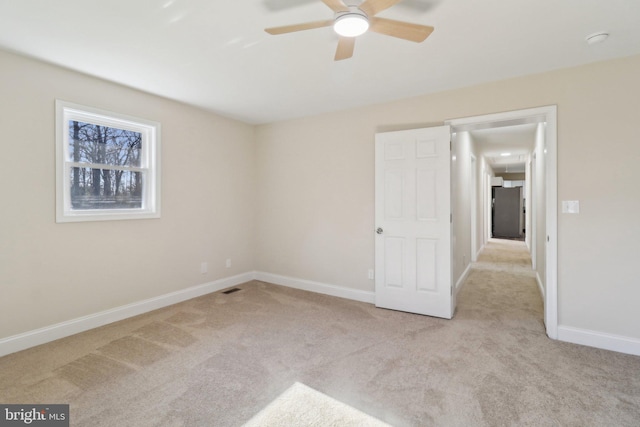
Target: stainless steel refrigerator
pixel 508 209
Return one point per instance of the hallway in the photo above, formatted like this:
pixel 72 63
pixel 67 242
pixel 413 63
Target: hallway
pixel 502 285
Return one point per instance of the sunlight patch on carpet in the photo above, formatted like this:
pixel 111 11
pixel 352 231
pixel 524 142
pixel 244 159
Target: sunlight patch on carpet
pixel 300 405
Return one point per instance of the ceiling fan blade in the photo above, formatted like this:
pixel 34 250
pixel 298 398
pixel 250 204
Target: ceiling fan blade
pixel 402 30
pixel 299 27
pixel 336 5
pixel 373 7
pixel 345 48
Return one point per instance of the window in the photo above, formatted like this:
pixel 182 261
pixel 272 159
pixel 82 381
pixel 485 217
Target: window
pixel 107 165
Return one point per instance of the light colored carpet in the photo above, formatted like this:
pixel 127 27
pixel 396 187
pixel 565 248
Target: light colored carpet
pixel 218 360
pixel 302 406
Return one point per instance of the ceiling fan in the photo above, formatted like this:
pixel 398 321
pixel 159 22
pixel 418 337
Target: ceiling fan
pixel 351 21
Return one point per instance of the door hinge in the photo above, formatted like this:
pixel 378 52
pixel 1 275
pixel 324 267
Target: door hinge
pixel 450 218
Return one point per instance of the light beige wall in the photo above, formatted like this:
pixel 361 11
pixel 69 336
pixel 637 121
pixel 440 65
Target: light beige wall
pixel 479 180
pixel 486 204
pixel 529 229
pixel 316 200
pixel 481 204
pixel 55 272
pixel 316 175
pixel 540 204
pixel 461 203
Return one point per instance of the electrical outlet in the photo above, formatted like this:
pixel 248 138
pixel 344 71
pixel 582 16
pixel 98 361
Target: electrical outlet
pixel 204 268
pixel 228 263
pixel 371 274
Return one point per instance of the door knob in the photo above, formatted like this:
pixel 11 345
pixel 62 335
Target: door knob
pixel 379 230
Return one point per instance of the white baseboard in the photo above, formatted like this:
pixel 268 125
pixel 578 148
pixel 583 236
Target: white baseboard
pixel 601 340
pixel 50 333
pixel 461 280
pixel 321 288
pixel 480 251
pixel 47 334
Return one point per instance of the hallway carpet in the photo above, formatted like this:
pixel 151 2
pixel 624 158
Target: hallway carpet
pixel 218 360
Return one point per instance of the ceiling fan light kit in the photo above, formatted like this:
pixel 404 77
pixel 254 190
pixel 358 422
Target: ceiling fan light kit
pixel 350 22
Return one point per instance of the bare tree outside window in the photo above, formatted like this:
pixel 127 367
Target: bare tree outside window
pixel 107 184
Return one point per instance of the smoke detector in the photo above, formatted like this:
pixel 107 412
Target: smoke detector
pixel 596 38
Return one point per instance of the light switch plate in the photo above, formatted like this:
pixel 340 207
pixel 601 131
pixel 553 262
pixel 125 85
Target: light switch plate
pixel 571 206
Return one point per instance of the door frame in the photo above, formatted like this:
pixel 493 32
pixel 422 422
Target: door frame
pixel 546 114
pixel 474 207
pixel 534 209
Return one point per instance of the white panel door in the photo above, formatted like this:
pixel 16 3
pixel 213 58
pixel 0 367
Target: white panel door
pixel 413 228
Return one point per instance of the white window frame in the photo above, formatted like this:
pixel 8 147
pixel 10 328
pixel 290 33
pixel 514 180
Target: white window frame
pixel 149 164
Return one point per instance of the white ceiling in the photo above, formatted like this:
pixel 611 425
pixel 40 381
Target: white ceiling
pixel 495 143
pixel 214 54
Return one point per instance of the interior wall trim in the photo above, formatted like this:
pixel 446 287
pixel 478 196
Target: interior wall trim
pixel 15 343
pixel 601 340
pixel 540 286
pixel 67 328
pixel 480 250
pixel 463 279
pixel 321 288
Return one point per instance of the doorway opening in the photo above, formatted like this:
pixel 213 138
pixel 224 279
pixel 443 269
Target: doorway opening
pixel 539 198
